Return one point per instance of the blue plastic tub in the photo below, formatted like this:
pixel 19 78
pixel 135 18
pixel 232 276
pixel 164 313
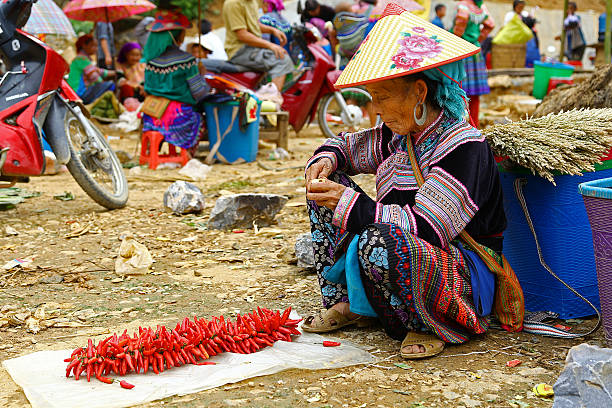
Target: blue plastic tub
pixel 564 233
pixel 236 144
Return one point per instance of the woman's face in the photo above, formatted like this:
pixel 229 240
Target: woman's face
pixel 91 47
pixel 134 56
pixel 199 52
pixel 394 100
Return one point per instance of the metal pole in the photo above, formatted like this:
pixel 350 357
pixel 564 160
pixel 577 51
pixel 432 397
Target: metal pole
pixel 608 37
pixel 562 48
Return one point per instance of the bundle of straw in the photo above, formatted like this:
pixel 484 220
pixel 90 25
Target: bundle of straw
pixel 567 142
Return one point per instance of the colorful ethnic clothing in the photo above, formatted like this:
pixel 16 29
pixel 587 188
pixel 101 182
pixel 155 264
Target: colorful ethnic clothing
pixel 181 125
pixel 476 78
pixel 173 74
pixel 411 284
pixel 461 190
pixel 473 23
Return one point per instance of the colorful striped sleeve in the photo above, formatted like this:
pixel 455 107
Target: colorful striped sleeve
pixel 344 207
pixel 359 152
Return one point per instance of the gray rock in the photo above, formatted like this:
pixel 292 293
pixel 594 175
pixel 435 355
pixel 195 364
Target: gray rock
pixel 240 210
pixel 304 251
pixel 183 198
pixel 586 380
pixel 52 279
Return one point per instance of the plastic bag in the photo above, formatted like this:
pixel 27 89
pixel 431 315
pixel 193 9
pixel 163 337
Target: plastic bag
pixel 515 32
pixel 133 258
pixel 195 170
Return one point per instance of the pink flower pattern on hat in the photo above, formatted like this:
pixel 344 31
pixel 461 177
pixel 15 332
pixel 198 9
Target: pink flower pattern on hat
pixel 402 60
pixel 413 48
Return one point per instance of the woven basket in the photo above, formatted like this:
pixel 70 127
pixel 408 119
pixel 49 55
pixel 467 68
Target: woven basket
pixel 508 55
pixel 597 195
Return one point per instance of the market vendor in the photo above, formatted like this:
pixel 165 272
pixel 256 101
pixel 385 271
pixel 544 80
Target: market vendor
pixel 473 23
pixel 173 74
pixel 394 258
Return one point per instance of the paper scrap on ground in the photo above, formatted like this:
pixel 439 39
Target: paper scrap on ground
pixel 47 385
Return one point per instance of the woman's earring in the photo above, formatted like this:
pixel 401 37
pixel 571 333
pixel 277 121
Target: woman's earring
pixel 420 121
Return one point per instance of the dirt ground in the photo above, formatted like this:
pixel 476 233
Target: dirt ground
pixel 208 272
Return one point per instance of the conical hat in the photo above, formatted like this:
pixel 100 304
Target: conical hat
pixel 400 44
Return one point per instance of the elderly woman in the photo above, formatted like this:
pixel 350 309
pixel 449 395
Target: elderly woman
pixel 395 258
pixel 173 75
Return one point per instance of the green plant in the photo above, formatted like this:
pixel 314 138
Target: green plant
pixel 187 7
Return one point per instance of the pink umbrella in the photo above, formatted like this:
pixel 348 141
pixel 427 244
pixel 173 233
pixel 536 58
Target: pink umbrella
pixel 105 10
pixel 409 5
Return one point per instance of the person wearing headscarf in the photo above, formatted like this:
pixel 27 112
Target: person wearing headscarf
pixel 395 258
pixel 473 23
pixel 173 74
pixel 87 80
pixel 129 62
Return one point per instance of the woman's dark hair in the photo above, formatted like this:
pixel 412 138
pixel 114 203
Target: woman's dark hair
pixel 439 7
pixel 572 4
pixel 516 3
pixel 311 5
pixel 205 26
pixel 83 41
pixel 432 87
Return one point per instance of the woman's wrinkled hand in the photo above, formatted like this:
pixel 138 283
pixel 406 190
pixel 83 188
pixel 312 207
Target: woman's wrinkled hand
pixel 324 192
pixel 322 168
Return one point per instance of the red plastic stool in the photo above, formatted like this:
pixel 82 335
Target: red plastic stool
pixel 149 151
pixel 556 81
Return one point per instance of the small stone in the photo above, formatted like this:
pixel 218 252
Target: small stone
pixel 585 380
pixel 135 171
pixel 123 156
pixel 183 198
pixel 235 402
pixel 243 210
pixel 394 377
pixel 52 279
pixel 304 251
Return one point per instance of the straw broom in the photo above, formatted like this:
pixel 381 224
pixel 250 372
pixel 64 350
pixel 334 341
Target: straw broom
pixel 567 142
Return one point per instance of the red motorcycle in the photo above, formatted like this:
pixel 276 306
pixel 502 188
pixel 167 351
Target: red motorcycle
pixel 313 93
pixel 36 103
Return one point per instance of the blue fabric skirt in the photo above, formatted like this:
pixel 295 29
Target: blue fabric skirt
pixel 476 79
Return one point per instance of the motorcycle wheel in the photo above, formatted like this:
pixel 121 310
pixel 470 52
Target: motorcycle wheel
pixel 93 163
pixel 332 120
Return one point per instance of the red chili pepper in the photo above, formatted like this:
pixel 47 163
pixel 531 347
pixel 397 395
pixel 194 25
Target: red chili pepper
pixel 105 379
pixel 126 385
pixel 205 363
pixel 328 343
pixel 285 316
pixel 128 360
pixel 513 363
pixel 78 370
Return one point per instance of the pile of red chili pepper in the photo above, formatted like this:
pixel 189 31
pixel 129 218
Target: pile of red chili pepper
pixel 190 342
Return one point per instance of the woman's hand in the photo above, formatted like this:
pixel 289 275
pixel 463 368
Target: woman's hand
pixel 325 192
pixel 282 38
pixel 322 168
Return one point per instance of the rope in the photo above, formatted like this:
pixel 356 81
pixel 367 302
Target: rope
pixel 541 328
